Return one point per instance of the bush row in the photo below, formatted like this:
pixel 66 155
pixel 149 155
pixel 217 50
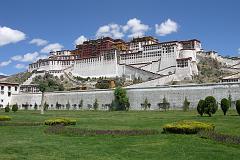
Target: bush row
pixel 187 127
pixel 62 121
pixel 5 118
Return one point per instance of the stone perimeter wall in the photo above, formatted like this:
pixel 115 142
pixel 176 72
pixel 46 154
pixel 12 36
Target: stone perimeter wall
pixel 175 94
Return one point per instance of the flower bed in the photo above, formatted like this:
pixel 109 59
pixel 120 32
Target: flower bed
pixel 5 118
pixel 187 127
pixel 57 121
pixel 60 129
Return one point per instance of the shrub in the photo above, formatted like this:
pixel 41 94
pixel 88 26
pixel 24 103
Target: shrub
pixel 45 106
pixel 121 99
pixel 200 107
pixel 68 105
pixel 80 105
pixel 15 108
pixel 146 105
pixel 5 118
pixel 35 106
pixel 7 108
pixel 62 121
pixel 225 104
pixel 186 104
pixel 95 104
pixel 238 106
pixel 210 106
pixel 164 105
pixel 187 127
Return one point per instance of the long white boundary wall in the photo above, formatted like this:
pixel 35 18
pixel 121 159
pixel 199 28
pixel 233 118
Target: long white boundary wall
pixel 175 94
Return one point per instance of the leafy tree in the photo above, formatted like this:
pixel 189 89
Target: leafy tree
pixel 35 106
pixel 80 105
pixel 200 107
pixel 225 104
pixel 15 108
pixel 95 104
pixel 7 108
pixel 238 106
pixel 186 104
pixel 42 88
pixel 45 106
pixel 68 105
pixel 146 105
pixel 210 106
pixel 121 99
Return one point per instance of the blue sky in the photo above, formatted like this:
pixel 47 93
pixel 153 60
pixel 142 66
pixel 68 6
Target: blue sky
pixel 56 24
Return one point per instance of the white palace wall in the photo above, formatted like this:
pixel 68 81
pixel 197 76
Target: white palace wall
pixel 175 95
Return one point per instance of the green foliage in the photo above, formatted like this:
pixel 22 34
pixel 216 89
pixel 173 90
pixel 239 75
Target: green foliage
pixel 200 107
pixel 121 100
pixel 5 118
pixel 7 108
pixel 48 83
pixel 187 127
pixel 208 106
pixel 60 121
pixel 35 106
pixel 146 105
pixel 80 105
pixel 95 104
pixel 68 105
pixel 186 104
pixel 225 104
pixel 58 106
pixel 164 105
pixel 230 100
pixel 15 108
pixel 238 106
pixel 45 106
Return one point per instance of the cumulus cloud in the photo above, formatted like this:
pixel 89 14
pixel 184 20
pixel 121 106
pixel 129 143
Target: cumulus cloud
pixel 52 47
pixel 20 66
pixel 39 42
pixel 136 28
pixel 29 57
pixel 110 30
pixel 5 63
pixel 8 35
pixel 80 40
pixel 167 27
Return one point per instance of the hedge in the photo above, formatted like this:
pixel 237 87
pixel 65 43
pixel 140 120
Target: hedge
pixel 62 121
pixel 187 127
pixel 5 118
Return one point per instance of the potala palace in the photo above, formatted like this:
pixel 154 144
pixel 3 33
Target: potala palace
pixel 156 63
pixel 141 57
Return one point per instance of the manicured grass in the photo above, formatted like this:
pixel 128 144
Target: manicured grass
pixel 30 142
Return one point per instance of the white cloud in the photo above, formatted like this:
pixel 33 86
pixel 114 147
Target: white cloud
pixel 80 40
pixel 110 30
pixel 3 74
pixel 8 35
pixel 166 27
pixel 52 47
pixel 136 28
pixel 39 42
pixel 29 57
pixel 5 63
pixel 20 66
pixel 238 50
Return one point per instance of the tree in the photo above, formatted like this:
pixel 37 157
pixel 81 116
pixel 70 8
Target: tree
pixel 186 104
pixel 68 105
pixel 15 107
pixel 35 106
pixel 165 104
pixel 80 105
pixel 42 88
pixel 45 106
pixel 146 105
pixel 58 106
pixel 95 104
pixel 7 108
pixel 230 100
pixel 210 106
pixel 200 107
pixel 238 106
pixel 121 100
pixel 225 104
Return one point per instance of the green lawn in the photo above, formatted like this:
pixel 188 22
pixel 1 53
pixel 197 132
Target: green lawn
pixel 30 142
